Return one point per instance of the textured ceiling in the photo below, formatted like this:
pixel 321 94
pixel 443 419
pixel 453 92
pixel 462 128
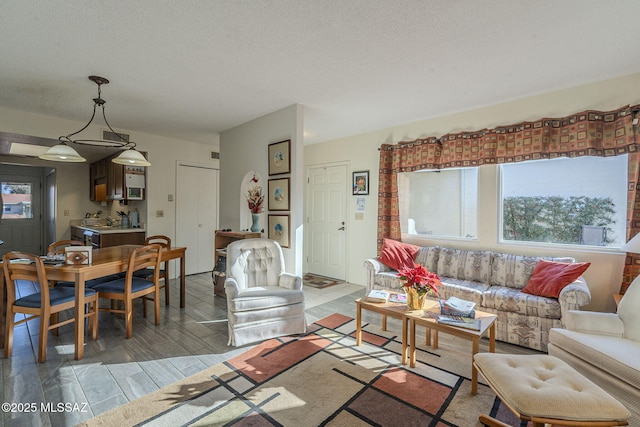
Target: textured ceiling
pixel 190 69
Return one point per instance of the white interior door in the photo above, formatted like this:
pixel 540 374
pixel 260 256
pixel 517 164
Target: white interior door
pixel 326 220
pixel 197 215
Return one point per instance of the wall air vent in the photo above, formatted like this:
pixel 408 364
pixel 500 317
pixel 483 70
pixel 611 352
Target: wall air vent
pixel 215 155
pixel 110 136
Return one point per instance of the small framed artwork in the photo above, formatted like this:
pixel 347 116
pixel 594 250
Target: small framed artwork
pixel 278 194
pixel 361 182
pixel 279 229
pixel 280 157
pixel 78 255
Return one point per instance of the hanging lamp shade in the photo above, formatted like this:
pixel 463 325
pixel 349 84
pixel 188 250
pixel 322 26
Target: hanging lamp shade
pixel 131 157
pixel 62 153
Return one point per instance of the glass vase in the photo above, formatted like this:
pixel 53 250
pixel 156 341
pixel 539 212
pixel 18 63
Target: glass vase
pixel 415 301
pixel 255 222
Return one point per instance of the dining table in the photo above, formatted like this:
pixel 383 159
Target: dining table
pixel 105 262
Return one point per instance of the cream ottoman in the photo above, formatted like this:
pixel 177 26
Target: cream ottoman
pixel 544 389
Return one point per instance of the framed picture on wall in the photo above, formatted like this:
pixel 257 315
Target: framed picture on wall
pixel 278 194
pixel 279 229
pixel 361 182
pixel 280 157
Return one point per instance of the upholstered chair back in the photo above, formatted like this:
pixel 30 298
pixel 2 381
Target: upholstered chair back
pixel 255 262
pixel 629 311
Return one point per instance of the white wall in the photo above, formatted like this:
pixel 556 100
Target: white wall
pixel 243 149
pixel 604 275
pixel 73 178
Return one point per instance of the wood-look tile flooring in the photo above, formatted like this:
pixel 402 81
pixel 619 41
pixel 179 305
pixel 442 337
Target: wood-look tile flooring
pixel 115 370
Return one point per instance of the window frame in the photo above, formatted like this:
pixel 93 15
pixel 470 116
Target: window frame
pixel 442 237
pixel 501 241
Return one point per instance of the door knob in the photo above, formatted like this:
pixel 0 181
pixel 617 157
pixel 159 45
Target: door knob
pixel 341 228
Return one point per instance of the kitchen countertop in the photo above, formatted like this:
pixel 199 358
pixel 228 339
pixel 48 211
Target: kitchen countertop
pixel 103 229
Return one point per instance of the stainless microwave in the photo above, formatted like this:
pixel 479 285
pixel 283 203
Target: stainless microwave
pixel 134 193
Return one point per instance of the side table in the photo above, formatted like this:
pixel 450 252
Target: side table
pixel 395 310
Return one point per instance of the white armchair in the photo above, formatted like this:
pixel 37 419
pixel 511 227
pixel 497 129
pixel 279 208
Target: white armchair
pixel 263 301
pixel 605 347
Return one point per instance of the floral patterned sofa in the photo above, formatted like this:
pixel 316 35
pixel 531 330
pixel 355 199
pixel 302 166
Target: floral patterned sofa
pixel 493 281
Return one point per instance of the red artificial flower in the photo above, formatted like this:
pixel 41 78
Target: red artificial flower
pixel 420 279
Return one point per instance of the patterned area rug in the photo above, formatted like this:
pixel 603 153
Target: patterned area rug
pixel 322 378
pixel 319 281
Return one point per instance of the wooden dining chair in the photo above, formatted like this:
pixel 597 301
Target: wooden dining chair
pixel 57 248
pixel 165 243
pixel 130 287
pixel 46 304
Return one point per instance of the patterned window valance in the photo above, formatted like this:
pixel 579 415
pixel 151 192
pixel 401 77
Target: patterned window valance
pixel 588 133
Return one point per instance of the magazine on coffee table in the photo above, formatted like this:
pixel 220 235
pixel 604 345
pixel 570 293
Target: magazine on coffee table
pixel 447 311
pixel 460 321
pixel 377 295
pixel 459 305
pixel 398 298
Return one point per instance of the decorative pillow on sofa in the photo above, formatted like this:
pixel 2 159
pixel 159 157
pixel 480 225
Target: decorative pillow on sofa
pixel 549 277
pixel 397 254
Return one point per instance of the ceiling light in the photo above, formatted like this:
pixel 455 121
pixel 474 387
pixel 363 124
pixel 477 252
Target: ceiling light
pixel 131 157
pixel 62 153
pixel 69 153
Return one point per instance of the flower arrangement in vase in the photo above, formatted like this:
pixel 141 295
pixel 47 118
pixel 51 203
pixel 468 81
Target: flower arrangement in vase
pixel 418 282
pixel 255 200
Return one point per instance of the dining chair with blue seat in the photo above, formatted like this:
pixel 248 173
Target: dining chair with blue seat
pixel 165 243
pixel 130 287
pixel 46 304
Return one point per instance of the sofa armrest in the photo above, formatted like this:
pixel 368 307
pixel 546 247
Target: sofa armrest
pixel 574 296
pixel 290 281
pixel 373 266
pixel 231 287
pixel 593 322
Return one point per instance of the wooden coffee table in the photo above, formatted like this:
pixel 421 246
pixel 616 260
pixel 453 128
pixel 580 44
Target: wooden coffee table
pixel 395 310
pixel 428 318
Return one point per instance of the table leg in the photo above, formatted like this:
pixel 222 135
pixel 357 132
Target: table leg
pixel 182 281
pixel 79 313
pixel 427 334
pixel 384 322
pixel 412 338
pixel 474 370
pixel 492 338
pixel 435 339
pixel 167 290
pixel 358 324
pixel 404 340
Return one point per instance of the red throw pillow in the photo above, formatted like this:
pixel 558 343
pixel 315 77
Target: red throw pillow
pixel 398 255
pixel 549 277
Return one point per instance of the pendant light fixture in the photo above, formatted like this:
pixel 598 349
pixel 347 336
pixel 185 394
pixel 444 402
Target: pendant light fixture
pixel 64 153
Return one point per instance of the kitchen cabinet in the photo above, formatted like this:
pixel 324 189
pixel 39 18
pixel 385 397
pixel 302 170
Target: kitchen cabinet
pixel 109 237
pixel 107 180
pixel 116 239
pixel 221 240
pixel 115 180
pixel 98 181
